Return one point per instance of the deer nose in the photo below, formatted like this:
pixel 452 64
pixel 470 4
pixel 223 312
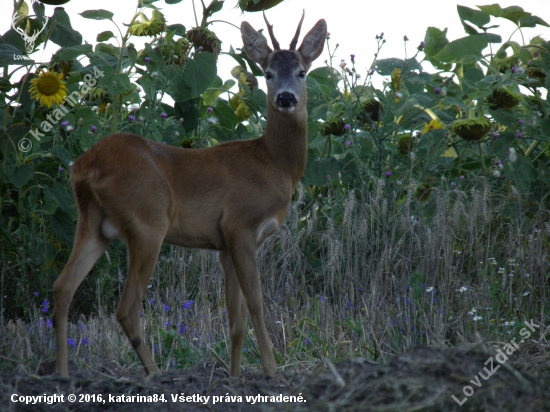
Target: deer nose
pixel 286 99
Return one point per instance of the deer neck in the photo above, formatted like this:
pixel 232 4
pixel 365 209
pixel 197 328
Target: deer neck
pixel 286 140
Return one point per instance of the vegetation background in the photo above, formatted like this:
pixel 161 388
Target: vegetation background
pixel 422 217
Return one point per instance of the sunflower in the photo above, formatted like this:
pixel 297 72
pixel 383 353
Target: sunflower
pixel 48 88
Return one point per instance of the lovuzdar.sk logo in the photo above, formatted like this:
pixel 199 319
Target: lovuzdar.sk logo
pixel 29 40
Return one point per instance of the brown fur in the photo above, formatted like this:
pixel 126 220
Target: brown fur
pixel 228 198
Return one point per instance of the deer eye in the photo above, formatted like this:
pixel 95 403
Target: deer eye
pixel 268 76
pixel 302 74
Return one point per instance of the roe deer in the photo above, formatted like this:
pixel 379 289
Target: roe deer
pixel 228 198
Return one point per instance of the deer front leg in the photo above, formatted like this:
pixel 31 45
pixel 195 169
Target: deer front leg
pixel 242 249
pixel 236 312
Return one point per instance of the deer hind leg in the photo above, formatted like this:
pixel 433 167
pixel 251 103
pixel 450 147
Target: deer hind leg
pixel 143 252
pixel 88 247
pixel 242 248
pixel 236 312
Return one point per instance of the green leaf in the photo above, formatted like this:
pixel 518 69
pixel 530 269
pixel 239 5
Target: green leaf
pixel 479 18
pixel 105 35
pixel 63 225
pixel 62 32
pixel 227 119
pixel 465 50
pixel 97 14
pixel 7 54
pixel 515 14
pixel 532 21
pixel 522 172
pixel 21 175
pixel 58 193
pixel 385 67
pixel 173 1
pixel 434 40
pixel 320 172
pixel 71 53
pixel 179 29
pixel 189 112
pixel 199 73
pixel 132 55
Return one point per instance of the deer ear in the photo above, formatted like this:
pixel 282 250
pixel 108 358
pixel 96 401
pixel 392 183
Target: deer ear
pixel 255 45
pixel 314 41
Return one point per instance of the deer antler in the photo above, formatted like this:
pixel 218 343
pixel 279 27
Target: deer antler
pixel 294 41
pixel 276 45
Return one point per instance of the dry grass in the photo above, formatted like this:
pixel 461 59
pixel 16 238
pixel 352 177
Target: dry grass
pixel 350 280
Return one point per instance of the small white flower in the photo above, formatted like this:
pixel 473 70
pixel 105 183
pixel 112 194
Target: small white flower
pixel 472 312
pixel 463 289
pixel 176 134
pixel 430 289
pixel 476 318
pixel 69 128
pixel 512 155
pixel 526 293
pixel 496 173
pixel 154 75
pixel 134 107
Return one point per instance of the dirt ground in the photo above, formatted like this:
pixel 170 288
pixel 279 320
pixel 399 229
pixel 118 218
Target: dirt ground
pixel 424 379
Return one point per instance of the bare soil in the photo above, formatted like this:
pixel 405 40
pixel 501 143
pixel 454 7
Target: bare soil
pixel 423 379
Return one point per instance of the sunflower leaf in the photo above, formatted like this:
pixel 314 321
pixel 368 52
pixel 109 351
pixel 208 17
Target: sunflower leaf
pixel 97 14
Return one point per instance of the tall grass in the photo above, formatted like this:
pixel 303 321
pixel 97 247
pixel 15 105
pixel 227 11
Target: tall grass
pixel 371 275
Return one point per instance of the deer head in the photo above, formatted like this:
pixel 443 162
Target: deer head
pixel 29 40
pixel 285 70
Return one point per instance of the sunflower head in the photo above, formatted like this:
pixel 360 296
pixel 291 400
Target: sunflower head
pixel 471 129
pixel 48 88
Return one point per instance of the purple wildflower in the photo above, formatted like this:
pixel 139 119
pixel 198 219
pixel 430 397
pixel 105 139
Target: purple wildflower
pixel 71 342
pixel 188 304
pixel 147 60
pixel 49 323
pixel 347 126
pixel 166 308
pixel 131 119
pixel 45 306
pixel 388 174
pixel 163 115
